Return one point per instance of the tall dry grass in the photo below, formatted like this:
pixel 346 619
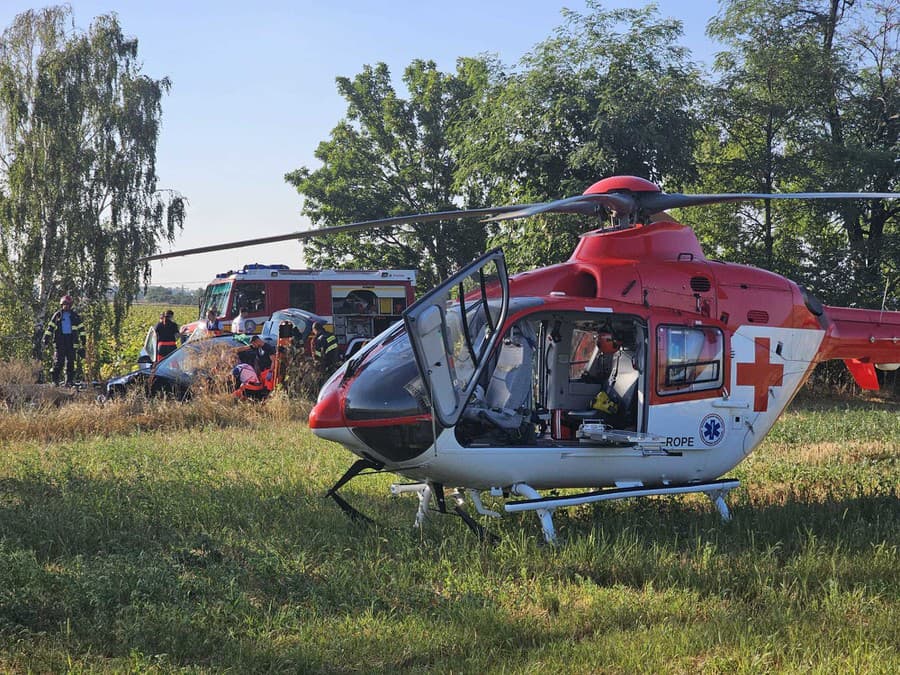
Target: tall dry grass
pixel 19 388
pixel 84 417
pixel 30 411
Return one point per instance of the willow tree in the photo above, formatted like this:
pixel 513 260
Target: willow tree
pixel 79 203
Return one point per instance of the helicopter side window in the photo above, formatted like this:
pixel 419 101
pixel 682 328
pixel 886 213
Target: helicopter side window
pixel 689 359
pixel 583 356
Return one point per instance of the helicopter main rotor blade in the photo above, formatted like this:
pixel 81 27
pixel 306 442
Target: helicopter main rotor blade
pixel 623 205
pixel 660 201
pixel 626 203
pixel 338 229
pixel 586 205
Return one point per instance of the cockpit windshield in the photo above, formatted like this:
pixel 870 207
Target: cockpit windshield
pixel 388 384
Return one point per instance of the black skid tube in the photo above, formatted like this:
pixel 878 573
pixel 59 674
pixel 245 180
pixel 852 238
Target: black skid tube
pixel 356 468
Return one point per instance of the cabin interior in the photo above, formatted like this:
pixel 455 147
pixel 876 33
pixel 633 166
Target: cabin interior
pixel 556 373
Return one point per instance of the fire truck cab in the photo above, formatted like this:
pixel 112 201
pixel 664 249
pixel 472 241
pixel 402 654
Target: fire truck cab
pixel 357 303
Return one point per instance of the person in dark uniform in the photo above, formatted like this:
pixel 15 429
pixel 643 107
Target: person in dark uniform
pixel 263 352
pixel 166 335
pixel 325 348
pixel 66 331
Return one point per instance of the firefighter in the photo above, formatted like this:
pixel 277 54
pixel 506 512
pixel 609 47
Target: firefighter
pixel 166 335
pixel 325 348
pixel 263 352
pixel 66 331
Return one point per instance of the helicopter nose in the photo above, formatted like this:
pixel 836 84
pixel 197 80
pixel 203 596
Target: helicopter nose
pixel 328 413
pixel 380 409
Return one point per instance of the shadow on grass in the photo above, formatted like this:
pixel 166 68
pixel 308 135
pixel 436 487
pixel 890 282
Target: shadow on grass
pixel 808 401
pixel 236 574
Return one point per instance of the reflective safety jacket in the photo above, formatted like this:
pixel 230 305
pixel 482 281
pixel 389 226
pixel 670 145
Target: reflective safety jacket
pixel 55 327
pixel 326 348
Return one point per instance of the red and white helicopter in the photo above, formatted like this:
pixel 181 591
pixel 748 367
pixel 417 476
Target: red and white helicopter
pixel 638 367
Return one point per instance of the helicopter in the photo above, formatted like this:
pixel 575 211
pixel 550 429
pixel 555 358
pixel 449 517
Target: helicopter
pixel 638 367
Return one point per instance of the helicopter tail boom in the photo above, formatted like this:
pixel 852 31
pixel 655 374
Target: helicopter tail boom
pixel 865 339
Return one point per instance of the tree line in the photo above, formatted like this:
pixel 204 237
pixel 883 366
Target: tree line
pixel 803 97
pixel 165 295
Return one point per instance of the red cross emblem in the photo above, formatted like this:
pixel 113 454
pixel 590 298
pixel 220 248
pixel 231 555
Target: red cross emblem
pixel 761 374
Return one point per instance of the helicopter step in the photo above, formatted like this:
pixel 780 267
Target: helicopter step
pixel 544 506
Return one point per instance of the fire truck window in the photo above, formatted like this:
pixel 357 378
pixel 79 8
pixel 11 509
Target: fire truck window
pixel 689 359
pixel 214 298
pixel 249 298
pixel 302 296
pixel 356 302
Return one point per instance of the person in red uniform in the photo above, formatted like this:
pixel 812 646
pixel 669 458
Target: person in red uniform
pixel 247 384
pixel 166 335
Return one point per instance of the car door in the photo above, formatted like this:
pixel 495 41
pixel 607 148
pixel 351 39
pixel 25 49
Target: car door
pixel 454 329
pixel 147 356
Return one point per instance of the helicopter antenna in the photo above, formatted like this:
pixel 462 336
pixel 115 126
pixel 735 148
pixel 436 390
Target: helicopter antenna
pixel 887 283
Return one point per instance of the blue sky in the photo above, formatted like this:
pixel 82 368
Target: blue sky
pixel 253 92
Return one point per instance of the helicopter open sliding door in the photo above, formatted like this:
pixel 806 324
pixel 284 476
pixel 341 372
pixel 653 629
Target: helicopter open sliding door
pixel 454 328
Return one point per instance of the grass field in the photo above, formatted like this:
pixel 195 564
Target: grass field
pixel 208 547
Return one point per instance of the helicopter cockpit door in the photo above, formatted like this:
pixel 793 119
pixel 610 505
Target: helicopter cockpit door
pixel 454 328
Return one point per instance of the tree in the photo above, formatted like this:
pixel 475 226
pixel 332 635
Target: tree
pixel 755 110
pixel 859 149
pixel 611 92
pixel 807 100
pixel 164 295
pixel 392 156
pixel 79 203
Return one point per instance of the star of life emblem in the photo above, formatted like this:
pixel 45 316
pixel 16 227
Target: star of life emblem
pixel 712 429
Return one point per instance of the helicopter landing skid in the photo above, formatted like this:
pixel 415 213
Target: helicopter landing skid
pixel 715 490
pixel 426 490
pixel 357 467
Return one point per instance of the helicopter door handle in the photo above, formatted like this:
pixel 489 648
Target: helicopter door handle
pixel 727 403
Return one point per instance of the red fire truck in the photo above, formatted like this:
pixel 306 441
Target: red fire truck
pixel 358 303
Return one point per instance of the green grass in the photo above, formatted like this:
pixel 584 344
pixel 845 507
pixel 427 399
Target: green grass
pixel 213 550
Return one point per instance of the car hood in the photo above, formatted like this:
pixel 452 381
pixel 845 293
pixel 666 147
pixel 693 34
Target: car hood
pixel 128 378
